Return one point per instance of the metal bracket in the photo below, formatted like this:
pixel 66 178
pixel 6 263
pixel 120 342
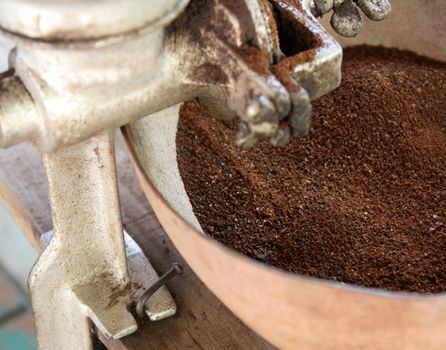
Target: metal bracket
pixel 83 275
pixel 145 280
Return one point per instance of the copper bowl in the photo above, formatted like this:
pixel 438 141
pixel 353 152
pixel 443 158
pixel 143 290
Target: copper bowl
pixel 290 310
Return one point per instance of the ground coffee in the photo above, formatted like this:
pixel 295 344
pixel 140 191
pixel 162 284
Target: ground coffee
pixel 361 199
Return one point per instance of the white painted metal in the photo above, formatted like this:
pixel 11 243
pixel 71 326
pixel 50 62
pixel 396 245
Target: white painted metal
pixel 142 274
pixel 71 284
pixel 85 19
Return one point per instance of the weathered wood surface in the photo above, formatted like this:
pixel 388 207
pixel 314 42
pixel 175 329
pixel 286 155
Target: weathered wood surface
pixel 202 321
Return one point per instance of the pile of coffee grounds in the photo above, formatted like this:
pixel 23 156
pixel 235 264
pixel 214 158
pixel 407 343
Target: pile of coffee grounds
pixel 361 199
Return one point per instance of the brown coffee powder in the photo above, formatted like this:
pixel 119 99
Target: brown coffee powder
pixel 361 199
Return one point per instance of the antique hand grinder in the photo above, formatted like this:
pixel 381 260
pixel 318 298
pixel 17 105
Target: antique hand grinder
pixel 81 69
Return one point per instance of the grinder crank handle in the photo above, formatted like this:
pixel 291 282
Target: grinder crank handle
pixel 346 19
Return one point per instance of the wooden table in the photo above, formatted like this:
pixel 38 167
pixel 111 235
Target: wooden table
pixel 202 321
